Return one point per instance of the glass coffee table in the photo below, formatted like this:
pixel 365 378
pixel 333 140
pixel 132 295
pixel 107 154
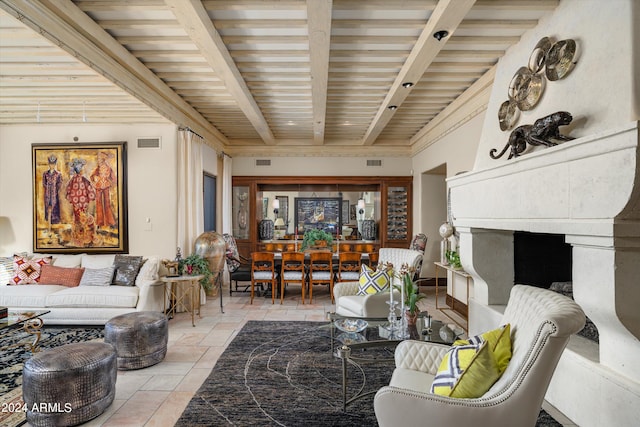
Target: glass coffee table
pixel 27 321
pixel 354 348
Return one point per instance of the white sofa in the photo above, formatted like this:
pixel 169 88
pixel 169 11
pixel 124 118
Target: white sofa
pixel 88 305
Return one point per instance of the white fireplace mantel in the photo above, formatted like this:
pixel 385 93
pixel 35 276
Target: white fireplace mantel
pixel 587 189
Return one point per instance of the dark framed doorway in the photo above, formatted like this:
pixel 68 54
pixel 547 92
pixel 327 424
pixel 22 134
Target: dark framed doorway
pixel 209 203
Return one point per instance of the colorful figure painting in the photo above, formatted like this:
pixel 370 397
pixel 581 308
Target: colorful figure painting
pixel 79 198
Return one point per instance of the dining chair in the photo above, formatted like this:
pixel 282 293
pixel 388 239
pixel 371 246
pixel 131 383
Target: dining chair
pixel 263 272
pixel 320 271
pixel 292 271
pixel 373 260
pixel 239 267
pixel 349 266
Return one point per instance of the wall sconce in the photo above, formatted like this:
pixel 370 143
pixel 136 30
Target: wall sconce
pixel 361 206
pixel 276 207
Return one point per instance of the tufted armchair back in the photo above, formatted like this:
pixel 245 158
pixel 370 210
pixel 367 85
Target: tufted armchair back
pixel 399 257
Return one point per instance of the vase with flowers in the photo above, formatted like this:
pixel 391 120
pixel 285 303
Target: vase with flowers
pixel 412 295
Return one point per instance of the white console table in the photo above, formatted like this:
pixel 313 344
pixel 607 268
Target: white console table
pixel 446 309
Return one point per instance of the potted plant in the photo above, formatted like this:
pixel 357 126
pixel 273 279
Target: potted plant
pixel 315 235
pixel 194 265
pixel 411 298
pixel 453 257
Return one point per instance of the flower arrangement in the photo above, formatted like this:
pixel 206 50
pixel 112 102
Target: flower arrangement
pixel 411 290
pixel 194 265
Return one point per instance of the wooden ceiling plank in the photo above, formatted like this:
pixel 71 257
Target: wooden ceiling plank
pixel 106 56
pixel 447 15
pixel 196 22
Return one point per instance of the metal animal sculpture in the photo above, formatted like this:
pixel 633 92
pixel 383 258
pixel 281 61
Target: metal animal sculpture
pixel 541 132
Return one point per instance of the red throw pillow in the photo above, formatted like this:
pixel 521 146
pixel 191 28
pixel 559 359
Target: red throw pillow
pixel 65 276
pixel 27 271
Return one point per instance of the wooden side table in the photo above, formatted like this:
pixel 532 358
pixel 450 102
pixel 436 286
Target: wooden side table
pixel 171 291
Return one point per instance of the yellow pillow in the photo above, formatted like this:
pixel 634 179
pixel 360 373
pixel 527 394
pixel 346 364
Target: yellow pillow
pixel 466 371
pixel 372 282
pixel 499 342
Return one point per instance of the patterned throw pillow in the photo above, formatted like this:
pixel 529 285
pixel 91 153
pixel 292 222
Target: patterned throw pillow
pixel 97 276
pixel 65 276
pixel 372 282
pixel 466 371
pixel 232 253
pixel 127 268
pixel 27 271
pixel 498 341
pixel 6 269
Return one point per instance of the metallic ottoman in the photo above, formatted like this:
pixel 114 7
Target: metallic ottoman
pixel 140 338
pixel 70 384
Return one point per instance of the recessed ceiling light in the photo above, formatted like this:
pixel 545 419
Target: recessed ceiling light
pixel 407 85
pixel 439 35
pixel 392 107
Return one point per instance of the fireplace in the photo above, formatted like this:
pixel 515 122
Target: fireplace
pixel 583 197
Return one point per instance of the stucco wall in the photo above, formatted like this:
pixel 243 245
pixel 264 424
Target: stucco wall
pixel 599 92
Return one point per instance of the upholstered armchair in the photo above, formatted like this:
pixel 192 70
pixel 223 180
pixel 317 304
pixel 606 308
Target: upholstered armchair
pixel 349 303
pixel 541 324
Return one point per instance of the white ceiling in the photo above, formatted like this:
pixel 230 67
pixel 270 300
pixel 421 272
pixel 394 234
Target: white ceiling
pixel 255 77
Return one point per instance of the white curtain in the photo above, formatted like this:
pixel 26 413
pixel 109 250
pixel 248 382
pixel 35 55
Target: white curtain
pixel 190 191
pixel 227 195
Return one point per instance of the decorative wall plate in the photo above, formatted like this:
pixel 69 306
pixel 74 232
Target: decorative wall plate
pixel 539 54
pixel 525 88
pixel 560 59
pixel 508 115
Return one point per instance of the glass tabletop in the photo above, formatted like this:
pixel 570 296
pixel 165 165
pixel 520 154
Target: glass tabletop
pixel 19 317
pixel 374 331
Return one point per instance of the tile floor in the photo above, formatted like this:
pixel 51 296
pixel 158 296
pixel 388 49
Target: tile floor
pixel 156 396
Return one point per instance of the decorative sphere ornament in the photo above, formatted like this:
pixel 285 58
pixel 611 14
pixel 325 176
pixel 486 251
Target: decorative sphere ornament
pixel 446 230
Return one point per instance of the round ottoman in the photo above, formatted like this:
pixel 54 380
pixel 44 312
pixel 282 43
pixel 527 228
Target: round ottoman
pixel 70 384
pixel 140 338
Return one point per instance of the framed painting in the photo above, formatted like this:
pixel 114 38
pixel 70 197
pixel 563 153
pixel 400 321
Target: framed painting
pixel 318 212
pixel 265 207
pixel 80 198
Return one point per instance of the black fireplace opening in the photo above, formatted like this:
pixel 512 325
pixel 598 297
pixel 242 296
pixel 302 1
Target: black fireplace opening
pixel 545 261
pixel 541 259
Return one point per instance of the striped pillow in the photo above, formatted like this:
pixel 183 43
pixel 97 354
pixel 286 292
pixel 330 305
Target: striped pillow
pixel 97 276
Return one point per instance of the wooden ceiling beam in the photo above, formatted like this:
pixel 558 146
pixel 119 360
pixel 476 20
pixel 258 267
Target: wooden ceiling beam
pixel 447 15
pixel 196 22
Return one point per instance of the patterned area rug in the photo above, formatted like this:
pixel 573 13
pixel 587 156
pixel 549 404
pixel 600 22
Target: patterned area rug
pixel 14 353
pixel 284 374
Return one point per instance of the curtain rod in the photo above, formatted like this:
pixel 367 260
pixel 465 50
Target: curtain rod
pixel 188 129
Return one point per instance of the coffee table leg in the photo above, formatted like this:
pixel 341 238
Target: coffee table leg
pixel 34 327
pixel 343 353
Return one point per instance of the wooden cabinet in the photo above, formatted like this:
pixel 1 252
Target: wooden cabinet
pixel 392 204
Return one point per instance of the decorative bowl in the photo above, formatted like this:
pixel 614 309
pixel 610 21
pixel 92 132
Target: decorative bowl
pixel 351 325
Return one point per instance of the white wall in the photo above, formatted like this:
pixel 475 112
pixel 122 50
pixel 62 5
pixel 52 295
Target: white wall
pixel 601 92
pixel 456 150
pixel 151 178
pixel 322 166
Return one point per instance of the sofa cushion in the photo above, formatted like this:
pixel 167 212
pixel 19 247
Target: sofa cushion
pixel 127 268
pixel 25 296
pixel 27 271
pixel 98 276
pixel 97 261
pixel 372 282
pixel 52 275
pixel 6 270
pixel 94 296
pixel 62 260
